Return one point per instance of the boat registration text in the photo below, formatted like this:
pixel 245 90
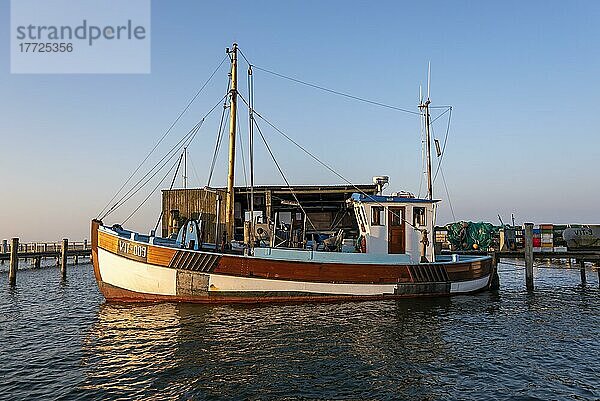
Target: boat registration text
pixel 132 250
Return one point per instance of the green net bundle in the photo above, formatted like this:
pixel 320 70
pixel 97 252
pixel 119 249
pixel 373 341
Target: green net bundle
pixel 466 236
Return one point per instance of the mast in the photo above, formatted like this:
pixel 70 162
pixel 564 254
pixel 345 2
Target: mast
pixel 229 205
pixel 251 151
pixel 424 107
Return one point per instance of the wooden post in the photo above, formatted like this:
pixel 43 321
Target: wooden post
pixel 14 261
pixel 529 256
pixel 582 271
pixel 76 259
pixel 63 258
pixel 84 244
pixel 37 262
pixel 495 282
pixel 4 248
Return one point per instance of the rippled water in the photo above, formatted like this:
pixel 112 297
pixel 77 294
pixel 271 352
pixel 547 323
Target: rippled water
pixel 62 341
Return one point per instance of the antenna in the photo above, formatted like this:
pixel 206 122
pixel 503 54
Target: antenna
pixel 420 94
pixel 428 78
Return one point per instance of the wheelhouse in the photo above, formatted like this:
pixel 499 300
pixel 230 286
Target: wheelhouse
pixel 396 225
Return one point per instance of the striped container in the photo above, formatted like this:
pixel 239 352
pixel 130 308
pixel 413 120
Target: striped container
pixel 537 239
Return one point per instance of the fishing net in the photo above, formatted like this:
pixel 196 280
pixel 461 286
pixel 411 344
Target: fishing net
pixel 465 235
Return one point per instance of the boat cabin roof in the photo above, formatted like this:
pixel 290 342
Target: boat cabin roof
pixel 389 199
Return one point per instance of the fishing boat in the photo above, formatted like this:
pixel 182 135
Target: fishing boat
pixel 394 255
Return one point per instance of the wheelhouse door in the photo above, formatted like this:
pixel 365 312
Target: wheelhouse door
pixel 396 237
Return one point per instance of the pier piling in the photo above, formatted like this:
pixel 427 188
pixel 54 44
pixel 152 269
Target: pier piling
pixel 4 248
pixel 529 256
pixel 63 258
pixel 582 271
pixel 495 283
pixel 14 261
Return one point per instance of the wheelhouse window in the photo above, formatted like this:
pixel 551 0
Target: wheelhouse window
pixel 376 215
pixel 419 216
pixel 396 217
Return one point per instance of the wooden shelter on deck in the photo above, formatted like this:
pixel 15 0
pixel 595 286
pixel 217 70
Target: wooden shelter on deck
pixel 325 206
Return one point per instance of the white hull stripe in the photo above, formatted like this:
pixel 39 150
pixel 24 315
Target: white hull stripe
pixel 469 286
pixel 242 284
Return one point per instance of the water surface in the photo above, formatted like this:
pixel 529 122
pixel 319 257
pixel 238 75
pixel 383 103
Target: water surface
pixel 62 341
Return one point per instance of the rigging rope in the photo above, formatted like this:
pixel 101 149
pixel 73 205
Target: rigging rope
pixel 171 187
pixel 444 146
pixel 194 170
pixel 283 175
pixel 323 163
pixel 151 173
pixel 448 195
pixel 219 137
pixel 164 136
pixel 173 151
pixel 444 112
pixel 336 92
pixel 155 188
pixel 240 136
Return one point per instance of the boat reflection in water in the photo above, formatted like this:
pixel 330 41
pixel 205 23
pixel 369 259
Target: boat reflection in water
pixel 312 350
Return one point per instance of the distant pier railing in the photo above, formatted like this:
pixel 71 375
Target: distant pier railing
pixel 13 251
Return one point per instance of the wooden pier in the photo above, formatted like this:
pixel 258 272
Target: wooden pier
pixel 36 251
pixel 529 255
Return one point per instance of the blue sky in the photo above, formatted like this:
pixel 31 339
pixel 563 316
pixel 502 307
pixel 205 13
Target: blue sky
pixel 522 78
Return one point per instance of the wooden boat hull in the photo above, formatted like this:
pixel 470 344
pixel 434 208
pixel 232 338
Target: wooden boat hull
pixel 132 271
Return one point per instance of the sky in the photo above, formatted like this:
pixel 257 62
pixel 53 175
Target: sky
pixel 522 78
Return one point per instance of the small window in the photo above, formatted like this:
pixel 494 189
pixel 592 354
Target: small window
pixel 396 217
pixel 376 215
pixel 419 216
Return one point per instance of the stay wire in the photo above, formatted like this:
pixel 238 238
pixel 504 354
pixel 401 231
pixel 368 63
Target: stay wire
pixel 164 135
pixel 151 173
pixel 302 148
pixel 244 57
pixel 154 190
pixel 283 175
pixel 444 112
pixel 158 170
pixel 241 138
pixel 171 187
pixel 448 195
pixel 174 150
pixel 219 137
pixel 443 146
pixel 330 91
pixel 335 92
pixel 191 160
